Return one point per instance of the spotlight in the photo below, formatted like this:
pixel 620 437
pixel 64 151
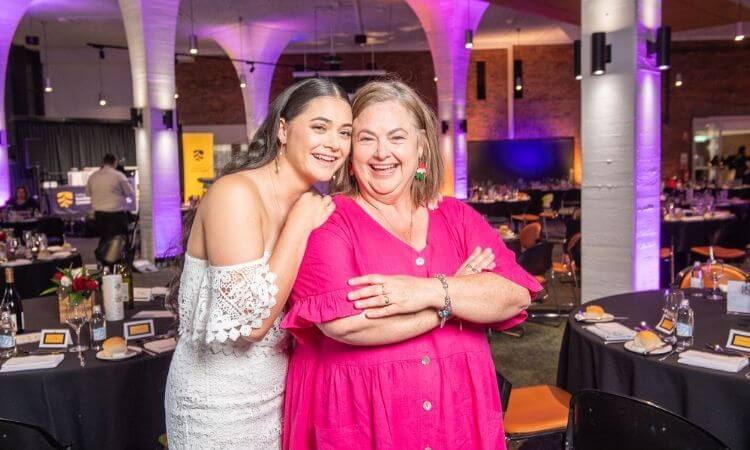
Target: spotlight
pixel 444 126
pixel 661 47
pixel 243 81
pixel 678 80
pixel 252 67
pixel 48 86
pixel 463 125
pixel 435 79
pixel 517 78
pixel 32 40
pixel 102 100
pixel 577 60
pixel 176 95
pixel 167 119
pixel 739 35
pixel 601 53
pixel 469 38
pixel 136 117
pixel 360 39
pixel 193 44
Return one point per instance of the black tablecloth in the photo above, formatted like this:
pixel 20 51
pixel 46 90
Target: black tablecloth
pixel 717 401
pixel 104 405
pixel 32 279
pixel 681 235
pixel 53 227
pixel 501 209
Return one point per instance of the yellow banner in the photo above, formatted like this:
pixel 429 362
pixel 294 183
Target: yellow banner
pixel 197 161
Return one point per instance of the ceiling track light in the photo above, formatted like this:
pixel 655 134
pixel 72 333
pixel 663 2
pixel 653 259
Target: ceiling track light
pixel 739 34
pixel 469 39
pixel 661 47
pixel 517 78
pixel 243 81
pixel 48 86
pixel 252 67
pixel 193 39
pixel 601 53
pixel 577 60
pixel 678 80
pixel 102 100
pixel 48 89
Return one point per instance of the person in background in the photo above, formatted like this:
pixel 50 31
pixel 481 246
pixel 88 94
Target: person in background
pixel 109 191
pixel 742 166
pixel 22 201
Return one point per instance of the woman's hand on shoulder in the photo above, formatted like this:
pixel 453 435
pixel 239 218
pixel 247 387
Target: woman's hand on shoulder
pixel 310 211
pixel 389 295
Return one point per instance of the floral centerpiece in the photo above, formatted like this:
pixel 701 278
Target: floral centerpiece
pixel 78 283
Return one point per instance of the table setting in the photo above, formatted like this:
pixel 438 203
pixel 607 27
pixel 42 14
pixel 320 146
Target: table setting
pixel 675 348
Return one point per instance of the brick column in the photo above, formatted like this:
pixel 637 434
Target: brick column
pixel 621 146
pixel 11 14
pixel 445 23
pixel 259 43
pixel 150 27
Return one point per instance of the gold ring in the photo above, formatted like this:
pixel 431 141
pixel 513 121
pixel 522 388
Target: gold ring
pixel 387 300
pixel 470 267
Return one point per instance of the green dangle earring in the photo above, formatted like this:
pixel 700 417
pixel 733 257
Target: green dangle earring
pixel 421 171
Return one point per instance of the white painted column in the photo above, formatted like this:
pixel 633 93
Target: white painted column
pixel 150 26
pixel 11 14
pixel 258 43
pixel 621 146
pixel 444 23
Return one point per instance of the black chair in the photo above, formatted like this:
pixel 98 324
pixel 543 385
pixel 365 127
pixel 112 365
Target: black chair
pixel 537 260
pixel 600 420
pixel 16 435
pixel 112 250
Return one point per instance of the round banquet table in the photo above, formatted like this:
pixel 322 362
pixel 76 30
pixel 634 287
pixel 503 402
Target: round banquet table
pixel 106 404
pixel 501 208
pixel 681 235
pixel 53 227
pixel 717 401
pixel 33 278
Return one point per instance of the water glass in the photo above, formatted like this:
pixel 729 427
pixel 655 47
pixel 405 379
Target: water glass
pixel 716 272
pixel 672 299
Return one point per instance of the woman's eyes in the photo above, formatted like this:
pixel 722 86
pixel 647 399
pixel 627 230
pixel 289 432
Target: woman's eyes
pixel 398 138
pixel 320 128
pixel 347 133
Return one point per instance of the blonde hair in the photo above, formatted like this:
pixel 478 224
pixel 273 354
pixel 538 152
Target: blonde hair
pixel 424 118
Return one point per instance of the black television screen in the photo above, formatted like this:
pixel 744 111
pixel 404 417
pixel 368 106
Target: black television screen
pixel 508 161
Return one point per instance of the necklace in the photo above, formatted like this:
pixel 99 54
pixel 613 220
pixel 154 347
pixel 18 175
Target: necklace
pixel 390 225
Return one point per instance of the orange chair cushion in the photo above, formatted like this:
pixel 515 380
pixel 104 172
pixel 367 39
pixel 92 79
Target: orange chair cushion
pixel 540 278
pixel 665 253
pixel 525 217
pixel 560 267
pixel 548 214
pixel 720 252
pixel 535 409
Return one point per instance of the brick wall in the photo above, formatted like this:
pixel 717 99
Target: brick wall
pixel 716 82
pixel 209 93
pixel 488 119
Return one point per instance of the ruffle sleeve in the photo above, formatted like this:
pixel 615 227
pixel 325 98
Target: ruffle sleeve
pixel 319 292
pixel 237 300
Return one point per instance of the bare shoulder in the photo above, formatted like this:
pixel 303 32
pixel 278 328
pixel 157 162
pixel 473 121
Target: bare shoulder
pixel 231 193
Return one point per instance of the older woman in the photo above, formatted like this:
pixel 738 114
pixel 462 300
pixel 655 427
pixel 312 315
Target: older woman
pixel 391 350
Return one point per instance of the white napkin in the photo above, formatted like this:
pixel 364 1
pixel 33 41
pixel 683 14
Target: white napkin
pixel 17 262
pixel 161 345
pixel 153 314
pixel 611 331
pixel 692 218
pixel 55 248
pixel 708 360
pixel 34 362
pixel 61 255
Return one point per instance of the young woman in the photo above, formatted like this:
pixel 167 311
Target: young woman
pixel 226 380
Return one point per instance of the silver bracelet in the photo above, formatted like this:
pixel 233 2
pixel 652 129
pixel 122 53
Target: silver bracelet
pixel 444 313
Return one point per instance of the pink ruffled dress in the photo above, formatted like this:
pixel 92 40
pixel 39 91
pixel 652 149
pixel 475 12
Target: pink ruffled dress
pixel 435 391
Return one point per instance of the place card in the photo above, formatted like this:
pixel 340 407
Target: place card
pixel 141 294
pixel 28 338
pixel 665 325
pixel 738 297
pixel 137 329
pixel 54 338
pixel 159 291
pixel 739 340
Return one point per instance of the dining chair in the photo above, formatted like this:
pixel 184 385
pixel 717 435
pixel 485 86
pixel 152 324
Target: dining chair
pixel 731 273
pixel 719 252
pixel 533 411
pixel 602 420
pixel 15 434
pixel 529 235
pixel 112 250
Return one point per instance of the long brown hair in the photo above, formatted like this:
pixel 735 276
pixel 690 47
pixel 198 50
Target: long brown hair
pixel 263 148
pixel 380 91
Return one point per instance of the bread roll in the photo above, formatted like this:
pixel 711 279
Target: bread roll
pixel 115 346
pixel 594 312
pixel 647 340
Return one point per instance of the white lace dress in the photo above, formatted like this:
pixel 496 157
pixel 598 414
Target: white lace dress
pixel 224 392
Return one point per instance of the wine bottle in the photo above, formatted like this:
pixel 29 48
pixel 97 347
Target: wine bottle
pixel 12 300
pixel 127 283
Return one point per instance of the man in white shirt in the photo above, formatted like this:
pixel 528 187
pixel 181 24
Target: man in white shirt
pixel 109 190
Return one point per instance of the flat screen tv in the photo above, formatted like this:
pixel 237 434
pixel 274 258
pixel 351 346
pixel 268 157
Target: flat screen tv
pixel 510 160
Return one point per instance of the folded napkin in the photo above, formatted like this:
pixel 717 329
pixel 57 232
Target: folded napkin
pixel 35 362
pixel 161 345
pixel 17 262
pixel 708 360
pixel 611 331
pixel 692 218
pixel 153 314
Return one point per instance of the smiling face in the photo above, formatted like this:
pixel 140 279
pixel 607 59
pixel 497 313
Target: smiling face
pixel 386 150
pixel 317 141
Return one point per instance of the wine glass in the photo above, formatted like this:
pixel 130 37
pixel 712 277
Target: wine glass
pixel 77 316
pixel 13 245
pixel 716 271
pixel 672 299
pixel 27 238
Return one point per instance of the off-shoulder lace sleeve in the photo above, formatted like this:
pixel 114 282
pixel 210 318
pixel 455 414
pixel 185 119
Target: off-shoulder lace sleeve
pixel 240 297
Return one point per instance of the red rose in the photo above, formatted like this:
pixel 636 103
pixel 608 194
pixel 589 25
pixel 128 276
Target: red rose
pixel 3 236
pixel 92 285
pixel 80 284
pixel 58 276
